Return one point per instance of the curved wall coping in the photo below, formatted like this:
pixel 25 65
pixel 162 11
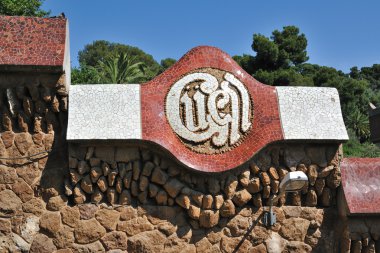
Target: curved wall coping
pixel 137 112
pixel 311 113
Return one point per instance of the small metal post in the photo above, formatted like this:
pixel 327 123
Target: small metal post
pixel 269 218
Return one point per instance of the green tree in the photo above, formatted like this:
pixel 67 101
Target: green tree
pixel 372 76
pixel 291 46
pixel 355 72
pixel 278 58
pixel 281 60
pixel 359 123
pixel 283 77
pixel 283 50
pixel 167 63
pixel 353 148
pixel 101 50
pixel 22 8
pixel 121 69
pixel 246 61
pixel 267 53
pixel 85 75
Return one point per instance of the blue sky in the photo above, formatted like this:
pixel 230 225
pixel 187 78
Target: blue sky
pixel 340 34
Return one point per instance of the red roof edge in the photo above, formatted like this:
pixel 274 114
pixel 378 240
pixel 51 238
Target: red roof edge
pixel 34 44
pixel 361 185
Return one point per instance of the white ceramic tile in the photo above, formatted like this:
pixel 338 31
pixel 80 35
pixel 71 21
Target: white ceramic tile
pixel 311 113
pixel 109 111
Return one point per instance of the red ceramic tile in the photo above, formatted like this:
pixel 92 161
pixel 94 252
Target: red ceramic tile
pixel 361 184
pixel 32 41
pixel 266 125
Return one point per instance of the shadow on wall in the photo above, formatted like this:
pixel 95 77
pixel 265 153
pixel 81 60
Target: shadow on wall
pixel 55 172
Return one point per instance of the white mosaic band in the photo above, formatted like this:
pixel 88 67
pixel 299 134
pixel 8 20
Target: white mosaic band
pixel 99 112
pixel 113 111
pixel 311 113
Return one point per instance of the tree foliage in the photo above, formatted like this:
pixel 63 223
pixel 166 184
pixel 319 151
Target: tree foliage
pixel 246 61
pixel 100 51
pixel 167 63
pixel 354 148
pixel 283 49
pixel 22 8
pixel 281 59
pixel 371 74
pixel 267 53
pixel 85 75
pixel 291 45
pixel 283 77
pixel 121 69
pixel 359 123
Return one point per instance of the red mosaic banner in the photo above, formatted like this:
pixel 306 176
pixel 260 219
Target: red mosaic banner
pixel 208 112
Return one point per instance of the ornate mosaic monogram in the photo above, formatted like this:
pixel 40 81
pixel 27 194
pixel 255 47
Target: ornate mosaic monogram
pixel 210 110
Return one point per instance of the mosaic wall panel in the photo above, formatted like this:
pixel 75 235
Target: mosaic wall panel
pixel 32 41
pixel 311 113
pixel 206 111
pixel 102 112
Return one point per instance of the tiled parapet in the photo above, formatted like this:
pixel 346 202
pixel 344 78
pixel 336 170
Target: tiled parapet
pixel 207 112
pixel 361 185
pixel 36 47
pixel 309 113
pixel 32 41
pixel 94 117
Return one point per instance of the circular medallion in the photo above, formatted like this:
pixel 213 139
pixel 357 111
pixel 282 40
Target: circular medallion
pixel 210 110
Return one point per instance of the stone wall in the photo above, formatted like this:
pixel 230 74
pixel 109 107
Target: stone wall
pixel 137 198
pixel 360 234
pixel 117 197
pixel 33 154
pixel 125 198
pixel 152 228
pixel 125 175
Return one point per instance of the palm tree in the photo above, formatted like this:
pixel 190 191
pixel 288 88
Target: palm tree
pixel 121 69
pixel 359 122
